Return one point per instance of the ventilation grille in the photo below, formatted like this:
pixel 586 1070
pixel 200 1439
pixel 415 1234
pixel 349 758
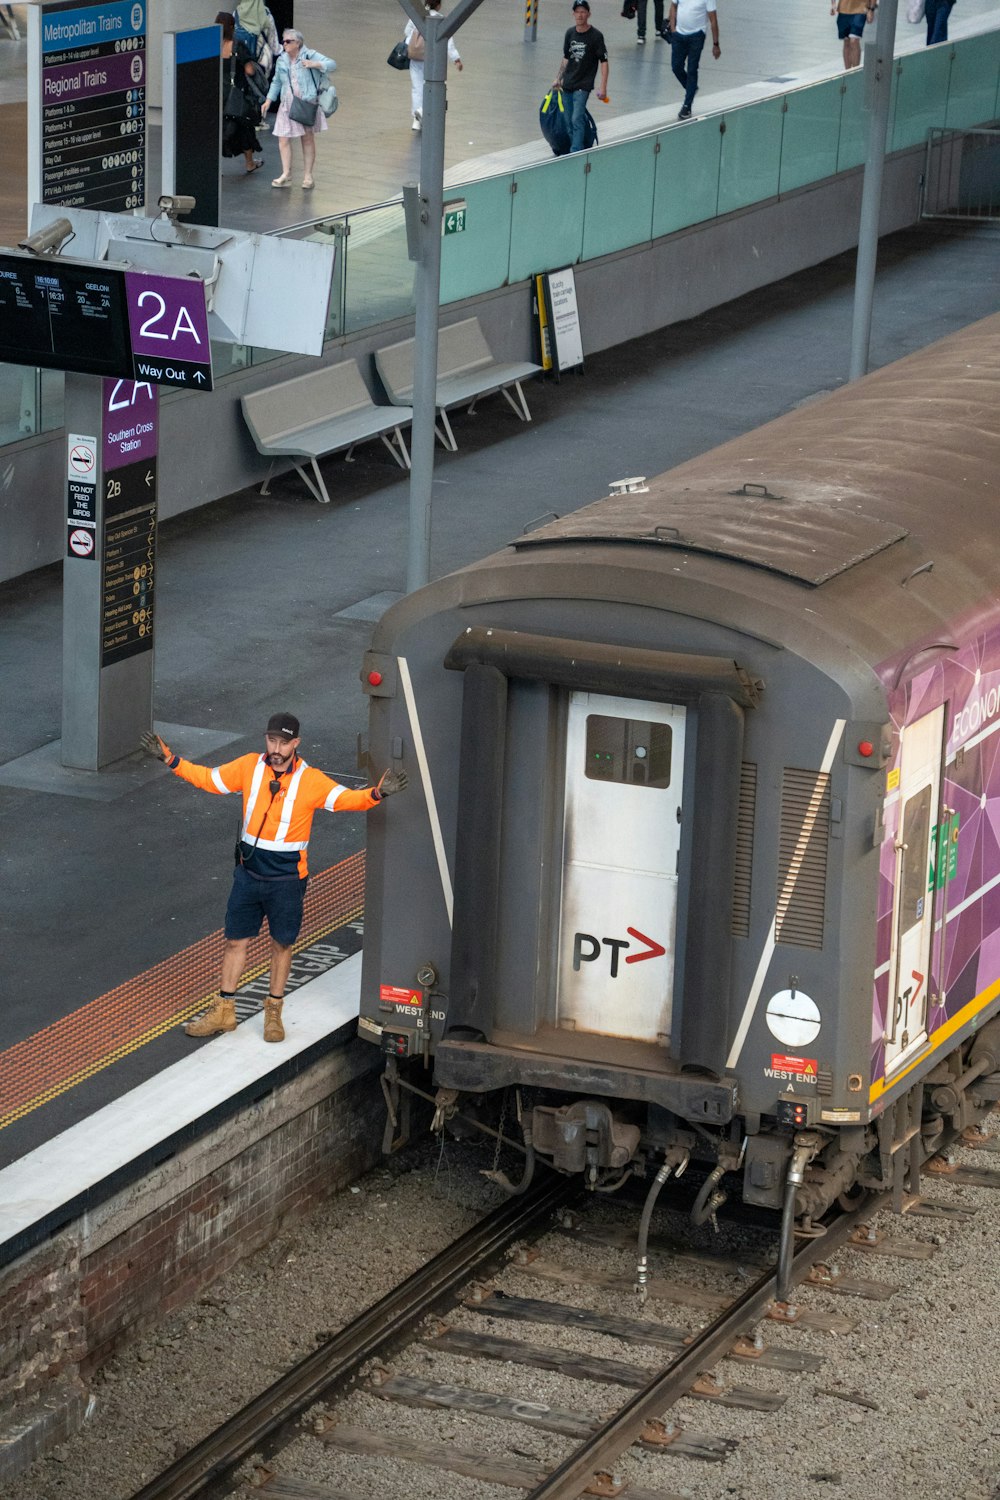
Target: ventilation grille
pixel 802 854
pixel 824 1082
pixel 744 850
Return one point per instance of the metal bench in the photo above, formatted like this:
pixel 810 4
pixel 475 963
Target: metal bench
pixel 320 413
pixel 466 371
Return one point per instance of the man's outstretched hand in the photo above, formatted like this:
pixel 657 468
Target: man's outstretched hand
pixel 392 781
pixel 151 744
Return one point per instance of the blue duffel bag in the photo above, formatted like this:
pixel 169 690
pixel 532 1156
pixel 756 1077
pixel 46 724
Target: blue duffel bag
pixel 553 116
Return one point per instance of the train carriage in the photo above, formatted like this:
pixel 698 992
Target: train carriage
pixel 702 849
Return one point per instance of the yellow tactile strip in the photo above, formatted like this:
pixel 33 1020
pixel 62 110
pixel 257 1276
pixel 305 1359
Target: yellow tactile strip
pixel 53 1060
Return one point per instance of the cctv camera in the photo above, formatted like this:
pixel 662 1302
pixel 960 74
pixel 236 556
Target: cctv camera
pixel 50 240
pixel 173 205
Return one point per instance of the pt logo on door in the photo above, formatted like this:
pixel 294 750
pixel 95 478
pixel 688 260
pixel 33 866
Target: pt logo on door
pixel 587 949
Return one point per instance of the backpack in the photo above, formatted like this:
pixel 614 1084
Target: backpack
pixel 249 40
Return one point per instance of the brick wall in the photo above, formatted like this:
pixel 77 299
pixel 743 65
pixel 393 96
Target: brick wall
pixel 66 1306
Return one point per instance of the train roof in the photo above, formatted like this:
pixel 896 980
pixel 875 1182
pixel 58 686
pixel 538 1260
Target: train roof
pixel 868 518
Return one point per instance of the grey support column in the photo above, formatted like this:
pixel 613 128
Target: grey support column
pixel 878 69
pixel 436 30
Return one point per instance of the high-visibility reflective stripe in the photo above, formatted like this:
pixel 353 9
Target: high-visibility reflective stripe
pixel 280 841
pixel 333 798
pixel 255 781
pixel 218 782
pixel 277 845
pixel 289 804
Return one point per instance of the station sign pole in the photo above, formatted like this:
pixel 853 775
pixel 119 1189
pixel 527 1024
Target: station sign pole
pixel 109 569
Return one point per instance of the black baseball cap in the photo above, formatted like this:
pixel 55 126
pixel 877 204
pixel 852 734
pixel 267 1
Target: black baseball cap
pixel 580 5
pixel 287 725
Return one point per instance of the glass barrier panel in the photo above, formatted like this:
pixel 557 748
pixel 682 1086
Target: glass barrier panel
pixel 853 123
pixel 921 90
pixel 378 276
pixel 810 135
pixel 52 384
pixel 686 189
pixel 751 155
pixel 972 87
pixel 475 246
pixel 226 358
pixel 20 402
pixel 618 211
pixel 547 216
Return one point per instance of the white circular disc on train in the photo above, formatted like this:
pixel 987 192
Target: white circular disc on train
pixel 793 1018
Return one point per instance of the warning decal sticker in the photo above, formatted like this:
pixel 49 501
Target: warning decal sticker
pixel 784 1067
pixel 391 994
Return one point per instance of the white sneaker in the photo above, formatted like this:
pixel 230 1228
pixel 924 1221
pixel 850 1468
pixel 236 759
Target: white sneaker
pixel 416 121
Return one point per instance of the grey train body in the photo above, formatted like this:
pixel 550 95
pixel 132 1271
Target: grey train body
pixel 685 841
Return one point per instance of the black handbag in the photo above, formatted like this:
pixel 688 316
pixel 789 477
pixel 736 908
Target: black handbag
pixel 302 111
pixel 236 106
pixel 399 57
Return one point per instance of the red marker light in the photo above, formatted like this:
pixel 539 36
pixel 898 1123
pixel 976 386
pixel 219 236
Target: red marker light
pixel 866 748
pixel 374 679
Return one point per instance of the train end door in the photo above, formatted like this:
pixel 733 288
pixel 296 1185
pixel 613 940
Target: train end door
pixel 621 849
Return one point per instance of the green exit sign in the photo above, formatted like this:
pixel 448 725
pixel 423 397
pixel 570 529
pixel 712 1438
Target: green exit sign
pixel 453 219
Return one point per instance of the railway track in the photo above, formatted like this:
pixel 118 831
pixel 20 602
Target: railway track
pixel 269 1430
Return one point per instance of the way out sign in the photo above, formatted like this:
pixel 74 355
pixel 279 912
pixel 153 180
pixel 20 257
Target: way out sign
pixel 168 328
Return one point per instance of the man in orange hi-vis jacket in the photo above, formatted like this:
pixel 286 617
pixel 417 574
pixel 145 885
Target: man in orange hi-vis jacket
pixel 280 794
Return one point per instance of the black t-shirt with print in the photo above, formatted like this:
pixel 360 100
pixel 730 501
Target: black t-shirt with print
pixel 583 51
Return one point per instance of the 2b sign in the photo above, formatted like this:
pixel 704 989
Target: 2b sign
pixel 587 949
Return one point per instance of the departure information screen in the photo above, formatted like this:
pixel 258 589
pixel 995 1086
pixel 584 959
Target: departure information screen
pixel 104 320
pixel 64 316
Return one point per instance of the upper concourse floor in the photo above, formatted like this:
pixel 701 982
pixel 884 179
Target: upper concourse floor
pixel 370 149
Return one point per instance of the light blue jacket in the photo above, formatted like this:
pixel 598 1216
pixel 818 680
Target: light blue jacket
pixel 309 80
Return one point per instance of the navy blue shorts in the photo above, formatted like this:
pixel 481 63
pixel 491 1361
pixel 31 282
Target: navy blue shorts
pixel 850 26
pixel 250 901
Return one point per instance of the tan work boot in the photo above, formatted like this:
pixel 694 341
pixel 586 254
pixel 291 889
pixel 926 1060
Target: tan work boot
pixel 220 1016
pixel 273 1029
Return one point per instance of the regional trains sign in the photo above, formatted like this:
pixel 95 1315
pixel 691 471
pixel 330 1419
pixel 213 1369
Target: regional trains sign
pixel 87 102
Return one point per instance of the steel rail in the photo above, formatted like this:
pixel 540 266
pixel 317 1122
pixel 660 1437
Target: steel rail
pixel 618 1433
pixel 212 1460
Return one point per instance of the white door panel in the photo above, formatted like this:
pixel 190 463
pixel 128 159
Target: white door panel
pixel 913 899
pixel 624 777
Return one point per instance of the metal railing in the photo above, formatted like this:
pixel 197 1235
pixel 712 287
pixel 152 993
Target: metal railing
pixel 962 176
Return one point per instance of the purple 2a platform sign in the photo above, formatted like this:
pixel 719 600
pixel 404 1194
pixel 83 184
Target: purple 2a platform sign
pixel 168 328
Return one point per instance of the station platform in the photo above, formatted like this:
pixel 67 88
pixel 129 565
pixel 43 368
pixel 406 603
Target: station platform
pixel 115 886
pixel 112 904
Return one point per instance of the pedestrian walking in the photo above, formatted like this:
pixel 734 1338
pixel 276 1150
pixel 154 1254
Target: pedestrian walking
pixel 415 51
pixel 688 24
pixel 641 9
pixel 583 53
pixel 242 96
pixel 296 85
pixel 852 17
pixel 936 13
pixel 280 792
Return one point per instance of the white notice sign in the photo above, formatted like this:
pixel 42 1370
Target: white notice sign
pixel 564 317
